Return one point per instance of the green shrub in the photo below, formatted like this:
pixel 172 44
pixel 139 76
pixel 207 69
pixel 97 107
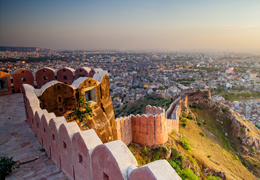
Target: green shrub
pixel 7 165
pixel 242 129
pixel 188 174
pixel 160 149
pixel 209 156
pixel 213 106
pixel 196 117
pixel 180 118
pixel 236 157
pixel 176 165
pixel 199 123
pixel 164 150
pixel 174 154
pixel 228 120
pixel 196 110
pixel 185 144
pixel 156 156
pixel 202 134
pixel 189 117
pixel 84 111
pixel 253 149
pixel 184 115
pixel 145 152
pixel 257 125
pixel 224 109
pixel 213 178
pixel 184 124
pixel 239 138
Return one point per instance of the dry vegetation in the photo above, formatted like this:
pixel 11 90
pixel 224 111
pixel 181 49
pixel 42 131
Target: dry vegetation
pixel 211 151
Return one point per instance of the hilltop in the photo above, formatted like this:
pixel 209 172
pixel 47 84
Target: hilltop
pixel 222 142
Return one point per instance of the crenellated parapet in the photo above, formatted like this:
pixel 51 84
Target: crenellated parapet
pixel 154 110
pixel 148 129
pixel 81 154
pixel 43 76
pixel 124 129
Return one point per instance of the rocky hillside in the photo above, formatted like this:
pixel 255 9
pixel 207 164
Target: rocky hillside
pixel 213 141
pixel 239 129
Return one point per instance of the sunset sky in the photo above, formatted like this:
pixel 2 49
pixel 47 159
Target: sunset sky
pixel 131 24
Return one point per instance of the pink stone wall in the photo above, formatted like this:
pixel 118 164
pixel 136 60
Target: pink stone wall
pixel 124 129
pixel 105 165
pixel 171 111
pixel 81 154
pixel 154 110
pixel 45 132
pixel 160 169
pixel 66 132
pixel 151 130
pixel 44 76
pixel 91 73
pixel 80 72
pixel 65 75
pixel 37 123
pixel 20 77
pixel 142 173
pixel 54 126
pixel 83 144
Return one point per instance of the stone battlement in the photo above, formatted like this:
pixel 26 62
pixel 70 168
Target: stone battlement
pixel 42 76
pixel 151 128
pixel 144 129
pixel 81 154
pixel 154 110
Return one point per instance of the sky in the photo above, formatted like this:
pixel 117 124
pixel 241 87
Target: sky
pixel 156 25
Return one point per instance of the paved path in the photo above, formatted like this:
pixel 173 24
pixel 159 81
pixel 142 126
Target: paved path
pixel 18 141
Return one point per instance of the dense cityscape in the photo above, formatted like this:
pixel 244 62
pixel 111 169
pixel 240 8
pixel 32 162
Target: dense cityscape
pixel 232 77
pixel 130 90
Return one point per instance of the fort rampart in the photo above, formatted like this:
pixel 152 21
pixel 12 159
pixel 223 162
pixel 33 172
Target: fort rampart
pixel 12 83
pixel 81 154
pixel 153 127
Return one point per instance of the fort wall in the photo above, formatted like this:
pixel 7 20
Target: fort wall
pixel 148 129
pixel 20 77
pixel 42 77
pixel 66 75
pixel 5 83
pixel 81 154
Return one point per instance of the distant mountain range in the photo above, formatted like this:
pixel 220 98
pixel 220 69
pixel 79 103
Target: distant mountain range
pixel 22 49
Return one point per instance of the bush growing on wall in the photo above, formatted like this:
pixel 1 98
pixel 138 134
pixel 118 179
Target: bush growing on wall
pixel 82 111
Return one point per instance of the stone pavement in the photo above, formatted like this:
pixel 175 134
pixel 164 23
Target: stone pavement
pixel 18 141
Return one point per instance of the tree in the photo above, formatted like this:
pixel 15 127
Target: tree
pixel 83 111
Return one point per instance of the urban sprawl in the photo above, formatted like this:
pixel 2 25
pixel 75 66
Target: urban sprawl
pixel 233 78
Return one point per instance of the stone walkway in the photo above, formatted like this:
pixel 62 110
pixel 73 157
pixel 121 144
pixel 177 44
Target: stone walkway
pixel 18 141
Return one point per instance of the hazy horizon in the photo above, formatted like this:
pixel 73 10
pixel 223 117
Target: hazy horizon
pixel 131 25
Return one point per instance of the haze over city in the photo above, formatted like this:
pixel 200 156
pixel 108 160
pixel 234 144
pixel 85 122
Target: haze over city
pixel 131 25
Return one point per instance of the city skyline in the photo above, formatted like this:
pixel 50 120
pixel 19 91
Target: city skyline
pixel 131 25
